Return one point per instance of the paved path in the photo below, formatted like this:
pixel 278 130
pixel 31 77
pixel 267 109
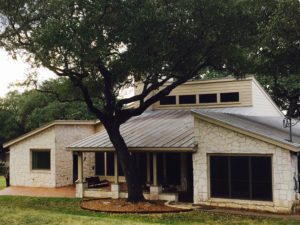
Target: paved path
pixel 67 192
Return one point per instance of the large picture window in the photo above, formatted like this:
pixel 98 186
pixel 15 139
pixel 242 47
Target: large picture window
pixel 241 177
pixel 40 159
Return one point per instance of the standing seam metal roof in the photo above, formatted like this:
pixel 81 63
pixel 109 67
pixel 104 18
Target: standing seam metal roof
pixel 270 127
pixel 153 129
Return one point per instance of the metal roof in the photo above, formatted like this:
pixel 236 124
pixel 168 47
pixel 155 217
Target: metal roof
pixel 161 130
pixel 269 127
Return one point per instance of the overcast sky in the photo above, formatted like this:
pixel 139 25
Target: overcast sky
pixel 12 71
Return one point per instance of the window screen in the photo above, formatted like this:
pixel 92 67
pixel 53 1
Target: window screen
pixel 99 163
pixel 41 160
pixel 110 164
pixel 208 98
pixel 168 100
pixel 187 99
pixel 241 177
pixel 230 97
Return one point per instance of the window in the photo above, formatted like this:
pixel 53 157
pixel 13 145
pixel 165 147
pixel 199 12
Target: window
pixel 230 97
pixel 100 163
pixel 110 163
pixel 208 98
pixel 241 177
pixel 40 159
pixel 187 99
pixel 168 100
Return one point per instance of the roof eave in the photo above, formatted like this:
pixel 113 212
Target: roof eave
pixel 246 132
pixel 135 149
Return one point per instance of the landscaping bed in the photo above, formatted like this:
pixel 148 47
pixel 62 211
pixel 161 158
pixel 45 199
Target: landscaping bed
pixel 123 206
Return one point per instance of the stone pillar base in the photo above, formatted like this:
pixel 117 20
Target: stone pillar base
pixel 115 191
pixel 80 187
pixel 154 192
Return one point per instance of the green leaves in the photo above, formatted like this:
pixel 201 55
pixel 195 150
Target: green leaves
pixel 20 113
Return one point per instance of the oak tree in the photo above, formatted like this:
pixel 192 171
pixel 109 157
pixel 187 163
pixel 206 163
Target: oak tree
pixel 102 46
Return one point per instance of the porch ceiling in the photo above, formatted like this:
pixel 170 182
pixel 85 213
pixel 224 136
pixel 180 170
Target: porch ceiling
pixel 161 130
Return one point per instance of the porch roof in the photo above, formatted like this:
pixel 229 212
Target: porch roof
pixel 160 130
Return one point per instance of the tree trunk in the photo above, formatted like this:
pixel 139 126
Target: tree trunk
pixel 135 191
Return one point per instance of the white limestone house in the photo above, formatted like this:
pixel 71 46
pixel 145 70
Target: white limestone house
pixel 216 143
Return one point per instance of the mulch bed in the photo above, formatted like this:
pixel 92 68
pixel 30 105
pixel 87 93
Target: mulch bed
pixel 122 206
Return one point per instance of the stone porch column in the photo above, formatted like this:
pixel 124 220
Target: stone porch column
pixel 80 184
pixel 115 187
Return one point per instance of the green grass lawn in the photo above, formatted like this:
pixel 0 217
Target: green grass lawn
pixel 37 211
pixel 2 183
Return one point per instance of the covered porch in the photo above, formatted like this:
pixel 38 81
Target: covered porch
pixel 161 143
pixel 163 175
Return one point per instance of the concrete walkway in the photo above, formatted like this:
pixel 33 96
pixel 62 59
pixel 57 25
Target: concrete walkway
pixel 63 192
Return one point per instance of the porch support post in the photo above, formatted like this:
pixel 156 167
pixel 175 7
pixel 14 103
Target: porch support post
pixel 80 167
pixel 148 168
pixel 80 184
pixel 154 169
pixel 155 190
pixel 115 187
pixel 116 168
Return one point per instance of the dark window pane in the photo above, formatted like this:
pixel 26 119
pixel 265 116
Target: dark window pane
pixel 173 168
pixel 241 177
pixel 261 178
pixel 41 160
pixel 240 186
pixel 120 170
pixel 168 100
pixel 99 163
pixel 187 99
pixel 230 97
pixel 141 162
pixel 110 164
pixel 219 176
pixel 208 98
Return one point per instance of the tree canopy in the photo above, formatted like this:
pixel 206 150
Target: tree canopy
pixel 277 53
pixel 102 46
pixel 23 112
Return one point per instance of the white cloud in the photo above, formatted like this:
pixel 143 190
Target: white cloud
pixel 12 71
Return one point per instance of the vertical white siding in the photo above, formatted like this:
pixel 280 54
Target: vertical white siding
pixel 262 102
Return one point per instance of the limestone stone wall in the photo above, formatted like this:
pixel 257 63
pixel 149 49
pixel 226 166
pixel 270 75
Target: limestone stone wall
pixel 21 173
pixel 216 139
pixel 55 139
pixel 66 135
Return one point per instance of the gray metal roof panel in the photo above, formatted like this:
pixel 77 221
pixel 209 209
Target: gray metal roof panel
pixel 153 129
pixel 270 127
